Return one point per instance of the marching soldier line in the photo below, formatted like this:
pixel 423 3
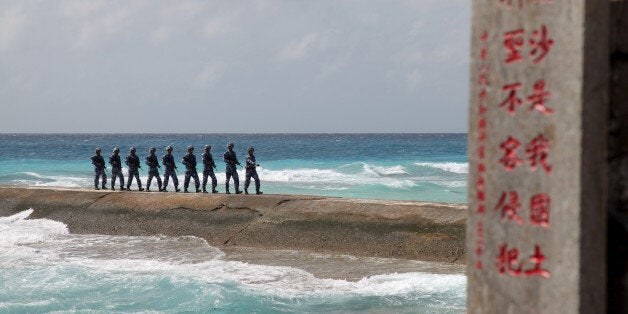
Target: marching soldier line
pixel 189 160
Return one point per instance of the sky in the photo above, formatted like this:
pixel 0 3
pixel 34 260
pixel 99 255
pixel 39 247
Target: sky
pixel 234 66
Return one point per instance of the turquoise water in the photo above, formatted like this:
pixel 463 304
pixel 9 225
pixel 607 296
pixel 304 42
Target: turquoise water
pixel 45 269
pixel 426 167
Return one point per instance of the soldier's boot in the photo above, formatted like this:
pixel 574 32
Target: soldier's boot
pixel 113 188
pixel 246 191
pixel 141 189
pixel 258 192
pixel 227 192
pixel 238 191
pixel 198 191
pixel 214 191
pixel 104 188
pixel 185 191
pixel 96 188
pixel 177 190
pixel 122 188
pixel 147 189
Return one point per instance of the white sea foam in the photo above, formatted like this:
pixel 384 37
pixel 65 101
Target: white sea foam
pixel 37 179
pixel 16 230
pixel 45 242
pixel 455 167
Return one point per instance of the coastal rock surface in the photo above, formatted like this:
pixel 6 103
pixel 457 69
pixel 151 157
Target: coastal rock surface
pixel 380 228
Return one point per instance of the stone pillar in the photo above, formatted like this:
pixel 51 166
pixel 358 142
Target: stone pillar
pixel 618 161
pixel 536 233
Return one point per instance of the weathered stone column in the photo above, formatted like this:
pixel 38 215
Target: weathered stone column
pixel 618 161
pixel 536 236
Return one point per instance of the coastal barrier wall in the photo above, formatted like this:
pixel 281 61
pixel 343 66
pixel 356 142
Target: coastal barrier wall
pixel 380 228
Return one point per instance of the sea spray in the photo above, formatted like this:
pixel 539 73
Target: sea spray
pixel 52 270
pixel 423 167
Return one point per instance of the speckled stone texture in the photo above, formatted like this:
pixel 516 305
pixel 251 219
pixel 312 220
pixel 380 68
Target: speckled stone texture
pixel 379 228
pixel 518 261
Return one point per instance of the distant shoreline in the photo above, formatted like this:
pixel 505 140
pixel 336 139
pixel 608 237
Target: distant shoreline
pixel 426 231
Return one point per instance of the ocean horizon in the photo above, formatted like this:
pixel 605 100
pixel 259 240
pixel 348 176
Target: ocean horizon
pixel 45 268
pixel 395 166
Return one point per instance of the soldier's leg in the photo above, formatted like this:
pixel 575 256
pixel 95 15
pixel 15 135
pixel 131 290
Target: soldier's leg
pixel 214 181
pixel 257 183
pixel 197 183
pixel 113 179
pixel 186 181
pixel 175 180
pixel 166 177
pixel 96 178
pixel 121 175
pixel 150 179
pixel 103 184
pixel 158 181
pixel 128 183
pixel 236 180
pixel 228 176
pixel 137 178
pixel 247 181
pixel 205 175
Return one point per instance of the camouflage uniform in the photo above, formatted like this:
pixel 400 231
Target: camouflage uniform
pixel 230 159
pixel 251 171
pixel 99 170
pixel 189 161
pixel 208 171
pixel 134 164
pixel 153 164
pixel 168 161
pixel 116 171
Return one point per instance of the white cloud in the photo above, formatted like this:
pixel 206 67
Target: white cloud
pixel 183 10
pixel 79 9
pixel 211 73
pixel 218 26
pixel 11 23
pixel 160 35
pixel 97 29
pixel 301 48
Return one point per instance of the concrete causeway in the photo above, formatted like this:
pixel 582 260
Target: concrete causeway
pixel 379 228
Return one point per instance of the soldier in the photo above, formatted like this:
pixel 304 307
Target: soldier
pixel 231 160
pixel 99 170
pixel 116 169
pixel 251 172
pixel 134 165
pixel 208 169
pixel 168 161
pixel 189 161
pixel 153 164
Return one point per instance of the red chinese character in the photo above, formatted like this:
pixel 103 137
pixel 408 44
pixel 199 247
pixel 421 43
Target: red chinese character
pixel 513 42
pixel 537 151
pixel 537 100
pixel 509 209
pixel 537 259
pixel 510 159
pixel 482 94
pixel 508 260
pixel 509 3
pixel 512 99
pixel 540 45
pixel 483 80
pixel 540 209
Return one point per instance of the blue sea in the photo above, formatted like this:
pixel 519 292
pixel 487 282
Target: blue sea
pixel 44 268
